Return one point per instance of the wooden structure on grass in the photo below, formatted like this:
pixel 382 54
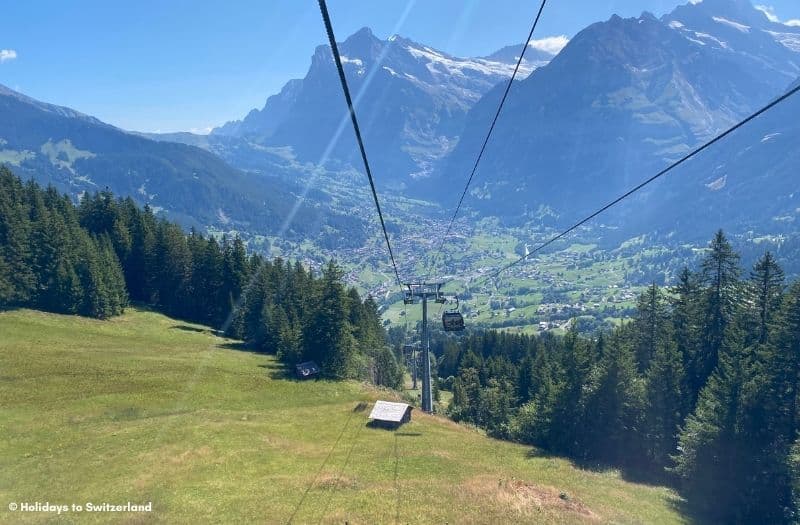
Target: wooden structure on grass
pixel 307 370
pixel 390 415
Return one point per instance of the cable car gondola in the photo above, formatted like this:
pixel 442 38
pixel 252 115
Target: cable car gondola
pixel 452 320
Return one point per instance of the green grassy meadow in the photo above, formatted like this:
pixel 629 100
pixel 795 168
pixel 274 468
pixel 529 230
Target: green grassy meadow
pixel 144 408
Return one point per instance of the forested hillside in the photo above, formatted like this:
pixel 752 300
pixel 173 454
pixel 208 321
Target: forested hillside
pixel 93 258
pixel 699 389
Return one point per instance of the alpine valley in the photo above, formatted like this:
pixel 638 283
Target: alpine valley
pixel 587 119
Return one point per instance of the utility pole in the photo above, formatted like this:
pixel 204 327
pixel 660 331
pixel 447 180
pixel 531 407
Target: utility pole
pixel 425 291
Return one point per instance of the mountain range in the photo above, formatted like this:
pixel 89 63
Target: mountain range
pixel 619 102
pixel 77 153
pixel 589 118
pixel 624 99
pixel 411 99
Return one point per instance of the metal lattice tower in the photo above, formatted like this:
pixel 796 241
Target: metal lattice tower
pixel 424 291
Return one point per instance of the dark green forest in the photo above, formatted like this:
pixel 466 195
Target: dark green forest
pixel 699 390
pixel 93 258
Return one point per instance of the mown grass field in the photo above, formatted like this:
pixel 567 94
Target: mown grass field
pixel 144 408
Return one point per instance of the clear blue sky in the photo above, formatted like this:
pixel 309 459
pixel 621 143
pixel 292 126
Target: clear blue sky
pixel 171 65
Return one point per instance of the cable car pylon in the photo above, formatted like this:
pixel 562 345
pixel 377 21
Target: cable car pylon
pixel 423 291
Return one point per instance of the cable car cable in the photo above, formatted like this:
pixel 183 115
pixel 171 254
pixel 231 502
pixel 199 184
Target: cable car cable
pixel 658 175
pixel 327 504
pixel 489 133
pixel 338 59
pixel 321 468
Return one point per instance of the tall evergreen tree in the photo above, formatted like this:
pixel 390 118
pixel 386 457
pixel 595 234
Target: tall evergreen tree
pixel 687 325
pixel 614 401
pixel 651 325
pixel 328 337
pixel 727 454
pixel 766 289
pixel 15 240
pixel 666 404
pixel 721 275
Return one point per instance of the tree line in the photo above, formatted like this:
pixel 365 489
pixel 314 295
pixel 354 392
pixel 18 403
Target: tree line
pixel 700 389
pixel 95 257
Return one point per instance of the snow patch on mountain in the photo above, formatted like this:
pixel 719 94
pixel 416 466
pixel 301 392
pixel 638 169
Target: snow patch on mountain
pixel 717 184
pixel 789 40
pixel 356 62
pixel 438 63
pixel 706 36
pixel 730 23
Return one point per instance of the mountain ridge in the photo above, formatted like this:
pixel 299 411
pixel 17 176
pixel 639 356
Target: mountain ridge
pixel 411 100
pixel 78 153
pixel 623 99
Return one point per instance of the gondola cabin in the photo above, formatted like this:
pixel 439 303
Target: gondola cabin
pixel 452 322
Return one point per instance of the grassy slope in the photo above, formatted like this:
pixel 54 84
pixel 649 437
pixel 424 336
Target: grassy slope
pixel 145 408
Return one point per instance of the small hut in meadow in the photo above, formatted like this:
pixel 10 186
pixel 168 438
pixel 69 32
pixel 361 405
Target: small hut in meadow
pixel 390 415
pixel 307 370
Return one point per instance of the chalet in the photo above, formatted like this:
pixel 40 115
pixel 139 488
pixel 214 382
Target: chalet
pixel 390 415
pixel 307 370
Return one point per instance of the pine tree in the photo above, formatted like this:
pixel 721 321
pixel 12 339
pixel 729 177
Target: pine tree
pixel 138 266
pixel 328 337
pixel 793 465
pixel 466 395
pixel 385 370
pixel 726 455
pixel 6 287
pixel 55 252
pixel 15 240
pixel 721 275
pixel 666 404
pixel 290 342
pixel 766 289
pixel 651 325
pixel 686 323
pixel 566 410
pixel 614 401
pixel 113 276
pixel 273 322
pixel 171 263
pixel 235 277
pixel 782 360
pixel 525 381
pixel 255 297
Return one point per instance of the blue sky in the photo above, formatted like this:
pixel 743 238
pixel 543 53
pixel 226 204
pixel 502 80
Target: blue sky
pixel 178 65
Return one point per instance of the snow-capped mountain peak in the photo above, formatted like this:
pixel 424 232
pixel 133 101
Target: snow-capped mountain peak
pixel 417 95
pixel 735 25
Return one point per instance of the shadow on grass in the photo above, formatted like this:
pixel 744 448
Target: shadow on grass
pixel 187 328
pixel 379 425
pixel 694 516
pixel 241 346
pixel 282 372
pixel 631 474
pixel 10 308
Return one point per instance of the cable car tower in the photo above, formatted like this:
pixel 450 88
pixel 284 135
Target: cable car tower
pixel 423 292
pixel 452 321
